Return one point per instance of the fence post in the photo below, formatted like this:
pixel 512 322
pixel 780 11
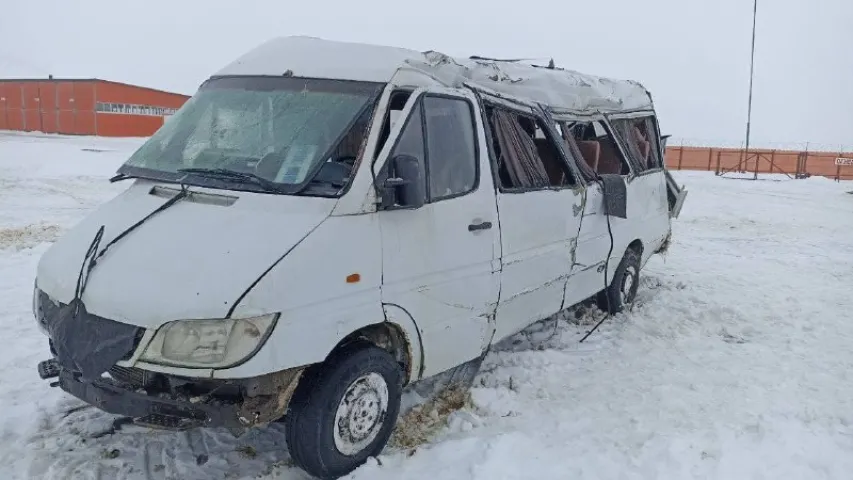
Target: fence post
pixel 772 160
pixel 719 153
pixel 95 106
pixel 23 109
pixel 680 155
pixel 710 157
pixel 757 162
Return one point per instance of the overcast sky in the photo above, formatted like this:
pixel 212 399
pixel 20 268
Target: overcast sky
pixel 692 54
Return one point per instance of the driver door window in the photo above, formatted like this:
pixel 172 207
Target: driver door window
pixel 440 134
pixel 451 147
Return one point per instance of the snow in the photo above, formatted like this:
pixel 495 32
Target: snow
pixel 733 365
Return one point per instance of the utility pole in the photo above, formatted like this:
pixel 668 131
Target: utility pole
pixel 751 74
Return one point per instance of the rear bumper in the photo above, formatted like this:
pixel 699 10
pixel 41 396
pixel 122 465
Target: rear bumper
pixel 149 410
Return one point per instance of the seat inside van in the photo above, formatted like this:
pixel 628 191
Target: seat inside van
pixel 591 151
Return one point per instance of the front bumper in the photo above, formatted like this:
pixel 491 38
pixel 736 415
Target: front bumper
pixel 154 411
pixel 177 403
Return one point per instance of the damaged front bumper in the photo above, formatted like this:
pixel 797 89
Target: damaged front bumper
pixel 93 359
pixel 149 410
pixel 165 402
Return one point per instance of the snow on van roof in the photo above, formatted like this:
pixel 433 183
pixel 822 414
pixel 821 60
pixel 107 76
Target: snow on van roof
pixel 558 88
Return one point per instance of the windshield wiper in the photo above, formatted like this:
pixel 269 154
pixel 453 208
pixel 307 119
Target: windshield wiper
pixel 123 176
pixel 262 182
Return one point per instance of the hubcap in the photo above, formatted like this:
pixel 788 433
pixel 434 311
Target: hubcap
pixel 627 291
pixel 361 414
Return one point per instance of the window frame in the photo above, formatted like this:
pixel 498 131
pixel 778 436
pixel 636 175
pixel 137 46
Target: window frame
pixel 657 143
pixel 604 120
pixel 419 102
pixel 541 120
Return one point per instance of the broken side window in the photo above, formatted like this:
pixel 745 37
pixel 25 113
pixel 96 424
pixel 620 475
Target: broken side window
pixel 585 156
pixel 396 103
pixel 639 137
pixel 599 148
pixel 526 154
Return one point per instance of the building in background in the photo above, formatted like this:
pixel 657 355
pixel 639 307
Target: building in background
pixel 84 107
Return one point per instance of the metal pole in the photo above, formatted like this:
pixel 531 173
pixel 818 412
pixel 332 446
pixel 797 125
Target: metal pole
pixel 751 73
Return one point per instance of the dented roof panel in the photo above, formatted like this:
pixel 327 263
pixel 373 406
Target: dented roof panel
pixel 560 89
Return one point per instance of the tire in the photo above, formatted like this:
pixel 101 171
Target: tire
pixel 622 290
pixel 328 437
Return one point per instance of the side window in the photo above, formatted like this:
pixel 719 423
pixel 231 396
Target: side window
pixel 639 136
pixel 599 148
pixel 585 155
pixel 451 147
pixel 527 157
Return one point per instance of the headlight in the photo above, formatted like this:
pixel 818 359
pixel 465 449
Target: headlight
pixel 212 343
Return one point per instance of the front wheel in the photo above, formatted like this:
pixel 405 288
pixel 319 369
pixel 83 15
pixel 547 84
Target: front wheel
pixel 343 411
pixel 623 288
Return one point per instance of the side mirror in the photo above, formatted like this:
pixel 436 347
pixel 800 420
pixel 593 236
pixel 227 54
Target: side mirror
pixel 663 140
pixel 405 185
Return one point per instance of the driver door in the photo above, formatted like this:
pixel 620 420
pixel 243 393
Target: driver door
pixel 440 252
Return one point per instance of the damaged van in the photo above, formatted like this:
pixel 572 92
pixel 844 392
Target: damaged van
pixel 324 223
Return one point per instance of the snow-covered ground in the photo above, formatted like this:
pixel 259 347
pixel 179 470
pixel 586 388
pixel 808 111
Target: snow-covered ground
pixel 734 364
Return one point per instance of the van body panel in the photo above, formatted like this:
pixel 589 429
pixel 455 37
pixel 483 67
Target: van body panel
pixel 538 230
pixel 326 288
pixel 648 221
pixel 442 275
pixel 592 245
pixel 306 335
pixel 190 261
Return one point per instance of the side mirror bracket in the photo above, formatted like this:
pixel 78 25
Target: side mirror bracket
pixel 405 185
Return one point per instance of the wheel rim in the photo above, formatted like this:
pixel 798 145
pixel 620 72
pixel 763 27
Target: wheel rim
pixel 361 414
pixel 629 281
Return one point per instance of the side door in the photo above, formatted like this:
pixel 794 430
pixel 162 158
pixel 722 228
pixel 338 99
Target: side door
pixel 539 201
pixel 440 251
pixel 604 155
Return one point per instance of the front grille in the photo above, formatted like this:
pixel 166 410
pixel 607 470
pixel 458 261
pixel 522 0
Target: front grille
pixel 87 340
pixel 134 377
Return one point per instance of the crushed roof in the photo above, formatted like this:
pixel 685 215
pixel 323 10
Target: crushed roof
pixel 560 89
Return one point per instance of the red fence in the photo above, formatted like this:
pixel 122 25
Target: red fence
pixel 763 161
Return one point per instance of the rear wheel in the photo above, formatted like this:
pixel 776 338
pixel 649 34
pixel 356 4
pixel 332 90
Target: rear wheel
pixel 623 288
pixel 344 411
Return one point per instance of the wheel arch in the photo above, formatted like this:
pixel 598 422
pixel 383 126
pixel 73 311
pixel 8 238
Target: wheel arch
pixel 637 246
pixel 398 334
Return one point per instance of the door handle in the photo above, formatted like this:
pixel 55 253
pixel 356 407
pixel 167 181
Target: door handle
pixel 479 226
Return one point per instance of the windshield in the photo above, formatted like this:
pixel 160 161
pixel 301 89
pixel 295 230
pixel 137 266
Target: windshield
pixel 282 130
